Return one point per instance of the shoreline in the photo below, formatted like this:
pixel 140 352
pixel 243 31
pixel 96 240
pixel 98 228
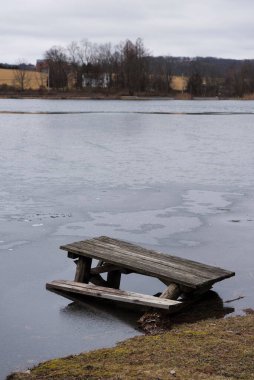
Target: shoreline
pixel 207 349
pixel 99 96
pixel 204 341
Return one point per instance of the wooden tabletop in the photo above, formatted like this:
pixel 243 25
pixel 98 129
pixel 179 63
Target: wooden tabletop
pixel 148 262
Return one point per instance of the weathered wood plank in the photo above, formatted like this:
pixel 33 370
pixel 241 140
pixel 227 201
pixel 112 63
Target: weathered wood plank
pixel 165 267
pixel 113 294
pixel 150 269
pixel 107 249
pixel 183 264
pixel 142 266
pixel 202 270
pixel 97 244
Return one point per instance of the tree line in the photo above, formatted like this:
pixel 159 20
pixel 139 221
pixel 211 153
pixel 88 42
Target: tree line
pixel 126 65
pixel 130 68
pixel 223 78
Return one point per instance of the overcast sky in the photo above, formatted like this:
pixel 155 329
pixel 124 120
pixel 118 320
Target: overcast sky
pixel 221 28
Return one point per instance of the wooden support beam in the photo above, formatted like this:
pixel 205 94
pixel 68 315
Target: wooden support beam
pixel 100 263
pixel 83 270
pixel 114 279
pixel 172 292
pixel 72 255
pixel 148 319
pixel 96 279
pixel 104 268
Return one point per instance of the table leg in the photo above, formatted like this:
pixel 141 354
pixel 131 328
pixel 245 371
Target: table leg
pixel 114 279
pixel 83 270
pixel 172 292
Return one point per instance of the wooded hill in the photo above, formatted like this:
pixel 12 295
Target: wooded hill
pixel 207 66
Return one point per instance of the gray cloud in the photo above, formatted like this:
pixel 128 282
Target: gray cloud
pixel 178 27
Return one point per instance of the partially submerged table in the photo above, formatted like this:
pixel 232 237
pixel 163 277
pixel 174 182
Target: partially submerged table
pixel 117 257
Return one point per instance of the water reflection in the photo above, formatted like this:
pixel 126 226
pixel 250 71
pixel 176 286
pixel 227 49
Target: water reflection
pixel 209 306
pixel 104 309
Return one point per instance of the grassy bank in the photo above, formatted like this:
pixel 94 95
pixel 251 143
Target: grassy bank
pixel 211 349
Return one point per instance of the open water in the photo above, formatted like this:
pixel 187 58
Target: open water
pixel 175 176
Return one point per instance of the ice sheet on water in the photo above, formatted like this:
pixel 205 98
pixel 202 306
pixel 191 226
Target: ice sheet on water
pixel 204 202
pixel 149 225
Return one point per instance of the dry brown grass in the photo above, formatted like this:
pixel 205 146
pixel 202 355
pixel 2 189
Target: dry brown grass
pixel 34 81
pixel 179 83
pixel 37 80
pixel 248 97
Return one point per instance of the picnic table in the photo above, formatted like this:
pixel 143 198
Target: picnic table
pixel 116 257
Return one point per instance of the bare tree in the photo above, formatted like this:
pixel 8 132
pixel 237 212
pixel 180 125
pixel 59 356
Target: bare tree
pixel 99 65
pixel 160 75
pixel 57 60
pixel 73 51
pixel 22 76
pixel 141 65
pixel 105 61
pixel 194 86
pixel 86 59
pixel 88 52
pixel 135 65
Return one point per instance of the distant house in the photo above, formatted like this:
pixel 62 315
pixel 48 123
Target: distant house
pixel 42 66
pixel 100 80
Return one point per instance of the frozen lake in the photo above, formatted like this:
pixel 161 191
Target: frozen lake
pixel 175 176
